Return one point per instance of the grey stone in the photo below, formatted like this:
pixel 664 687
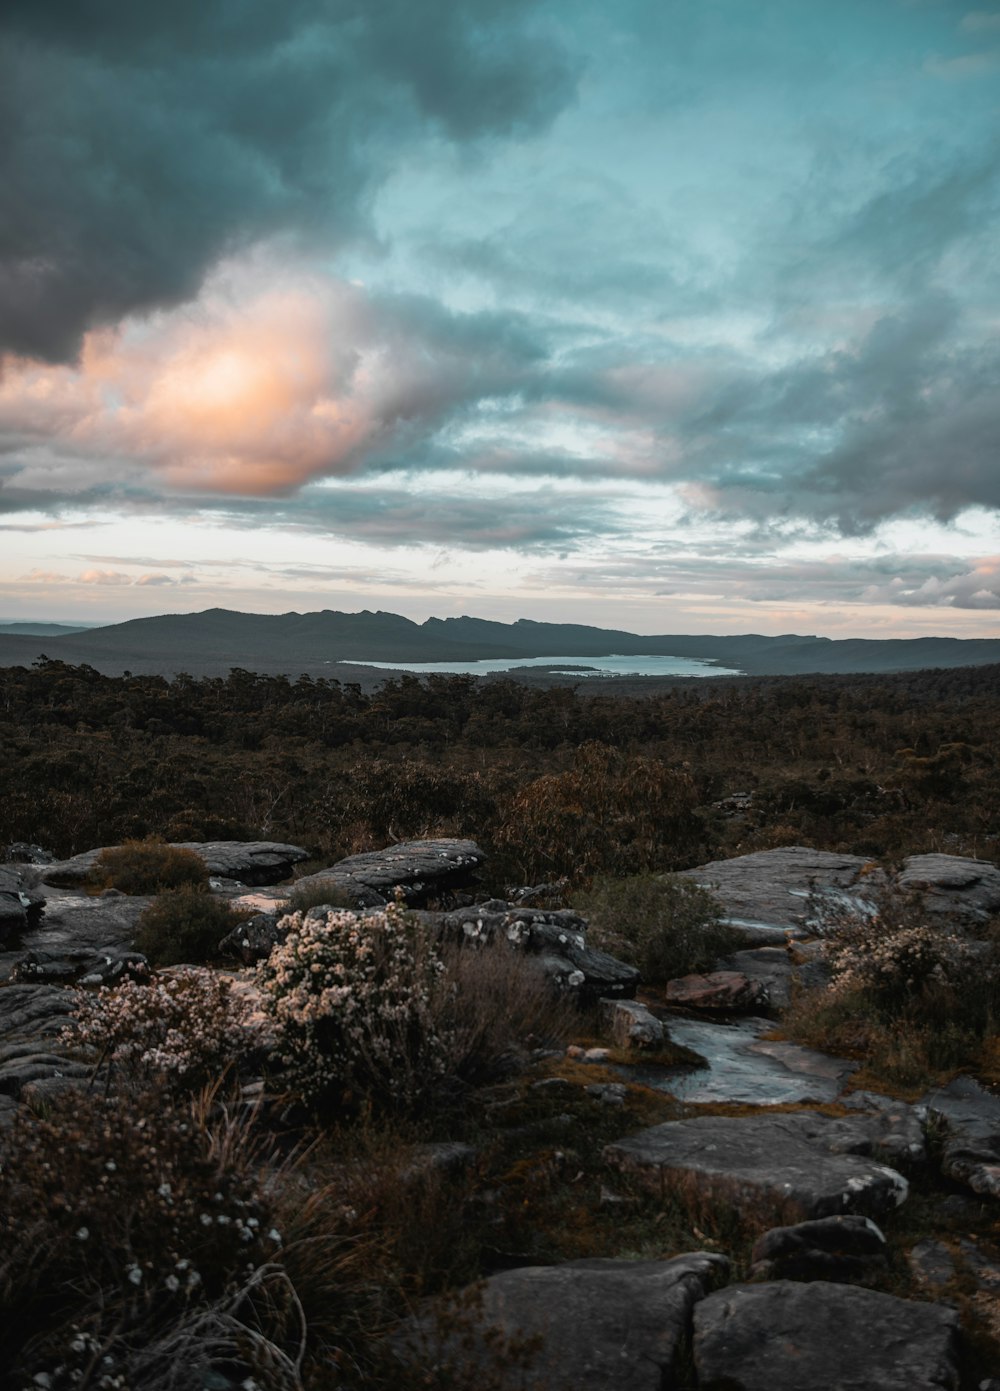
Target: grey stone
pixel 828 1248
pixel 609 1093
pixel 787 1336
pixel 20 905
pixel 248 861
pixel 778 970
pixel 931 1264
pixel 769 889
pixel 789 1165
pixel 255 939
pixel 631 1024
pixel 605 1325
pixel 419 869
pixel 32 1017
pixel 971 1117
pixel 953 885
pixel 21 852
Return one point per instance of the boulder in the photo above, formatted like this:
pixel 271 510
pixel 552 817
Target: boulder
pixel 254 940
pixel 971 1118
pixel 22 853
pixel 787 1336
pixel 632 1025
pixel 730 991
pixel 86 967
pixel 419 869
pixel 952 885
pixel 606 1325
pixel 247 861
pixel 767 892
pixel 20 907
pixel 789 1165
pixel 828 1248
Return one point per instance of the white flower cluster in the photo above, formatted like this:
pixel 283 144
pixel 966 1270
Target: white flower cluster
pixel 183 1024
pixel 892 960
pixel 356 1002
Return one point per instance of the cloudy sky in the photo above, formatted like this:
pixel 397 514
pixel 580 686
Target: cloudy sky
pixel 671 315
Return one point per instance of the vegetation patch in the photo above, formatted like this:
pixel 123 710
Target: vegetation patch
pixel 148 867
pixel 184 926
pixel 665 924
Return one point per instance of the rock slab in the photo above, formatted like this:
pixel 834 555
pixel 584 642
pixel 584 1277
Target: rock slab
pixel 788 1165
pixel 248 861
pixel 606 1325
pixel 418 868
pixel 786 1336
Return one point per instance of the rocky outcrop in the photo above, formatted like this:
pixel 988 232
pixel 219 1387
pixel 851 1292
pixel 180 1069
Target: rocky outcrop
pixel 828 1248
pixel 631 1025
pixel 786 1336
pixel 246 861
pixel 20 906
pixel 971 1119
pixel 32 1017
pixel 786 1165
pixel 606 1325
pixel 768 891
pixel 418 869
pixel 961 888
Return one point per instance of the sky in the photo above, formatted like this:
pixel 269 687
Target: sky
pixel 666 315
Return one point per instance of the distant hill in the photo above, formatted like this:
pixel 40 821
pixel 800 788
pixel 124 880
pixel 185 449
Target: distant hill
pixel 42 630
pixel 213 642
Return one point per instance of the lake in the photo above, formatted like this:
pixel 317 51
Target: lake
pixel 613 665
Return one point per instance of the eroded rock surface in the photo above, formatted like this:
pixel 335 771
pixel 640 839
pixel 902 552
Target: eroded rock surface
pixel 971 1117
pixel 20 905
pixel 606 1325
pixel 770 888
pixel 247 861
pixel 786 1336
pixel 827 1248
pixel 953 885
pixel 726 991
pixel 787 1165
pixel 420 869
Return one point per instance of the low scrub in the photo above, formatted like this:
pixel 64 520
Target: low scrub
pixel 908 992
pixel 148 867
pixel 664 924
pixel 184 926
pixel 180 1030
pixel 371 1008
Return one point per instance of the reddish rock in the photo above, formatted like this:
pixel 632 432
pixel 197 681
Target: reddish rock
pixel 722 990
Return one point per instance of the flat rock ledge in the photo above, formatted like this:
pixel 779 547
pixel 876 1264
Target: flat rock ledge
pixel 606 1325
pixel 787 1336
pixel 247 861
pixel 785 1166
pixel 418 869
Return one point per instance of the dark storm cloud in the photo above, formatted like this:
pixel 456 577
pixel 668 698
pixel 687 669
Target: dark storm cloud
pixel 141 143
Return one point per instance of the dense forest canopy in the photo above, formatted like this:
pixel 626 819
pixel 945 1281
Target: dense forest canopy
pixel 552 781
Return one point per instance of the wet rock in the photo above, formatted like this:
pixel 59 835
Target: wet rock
pixel 606 1325
pixel 419 869
pixel 953 885
pixel 631 1025
pixel 718 990
pixel 741 1066
pixel 787 1165
pixel 828 1248
pixel 769 889
pixel 786 1336
pixel 971 1117
pixel 247 861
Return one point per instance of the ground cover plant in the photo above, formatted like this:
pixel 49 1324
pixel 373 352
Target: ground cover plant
pixel 909 992
pixel 185 925
pixel 666 925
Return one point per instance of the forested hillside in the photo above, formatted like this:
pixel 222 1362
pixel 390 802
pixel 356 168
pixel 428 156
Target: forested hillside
pixel 552 781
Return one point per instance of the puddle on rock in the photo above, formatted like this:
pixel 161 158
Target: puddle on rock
pixel 743 1067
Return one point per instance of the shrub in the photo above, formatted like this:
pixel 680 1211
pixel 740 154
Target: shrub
pixel 185 925
pixel 184 1028
pixel 355 1002
pixel 148 867
pixel 666 925
pixel 907 992
pixel 121 1219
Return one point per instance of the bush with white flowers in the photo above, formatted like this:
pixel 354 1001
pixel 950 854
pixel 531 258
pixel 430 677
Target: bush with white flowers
pixel 357 1004
pixel 185 1026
